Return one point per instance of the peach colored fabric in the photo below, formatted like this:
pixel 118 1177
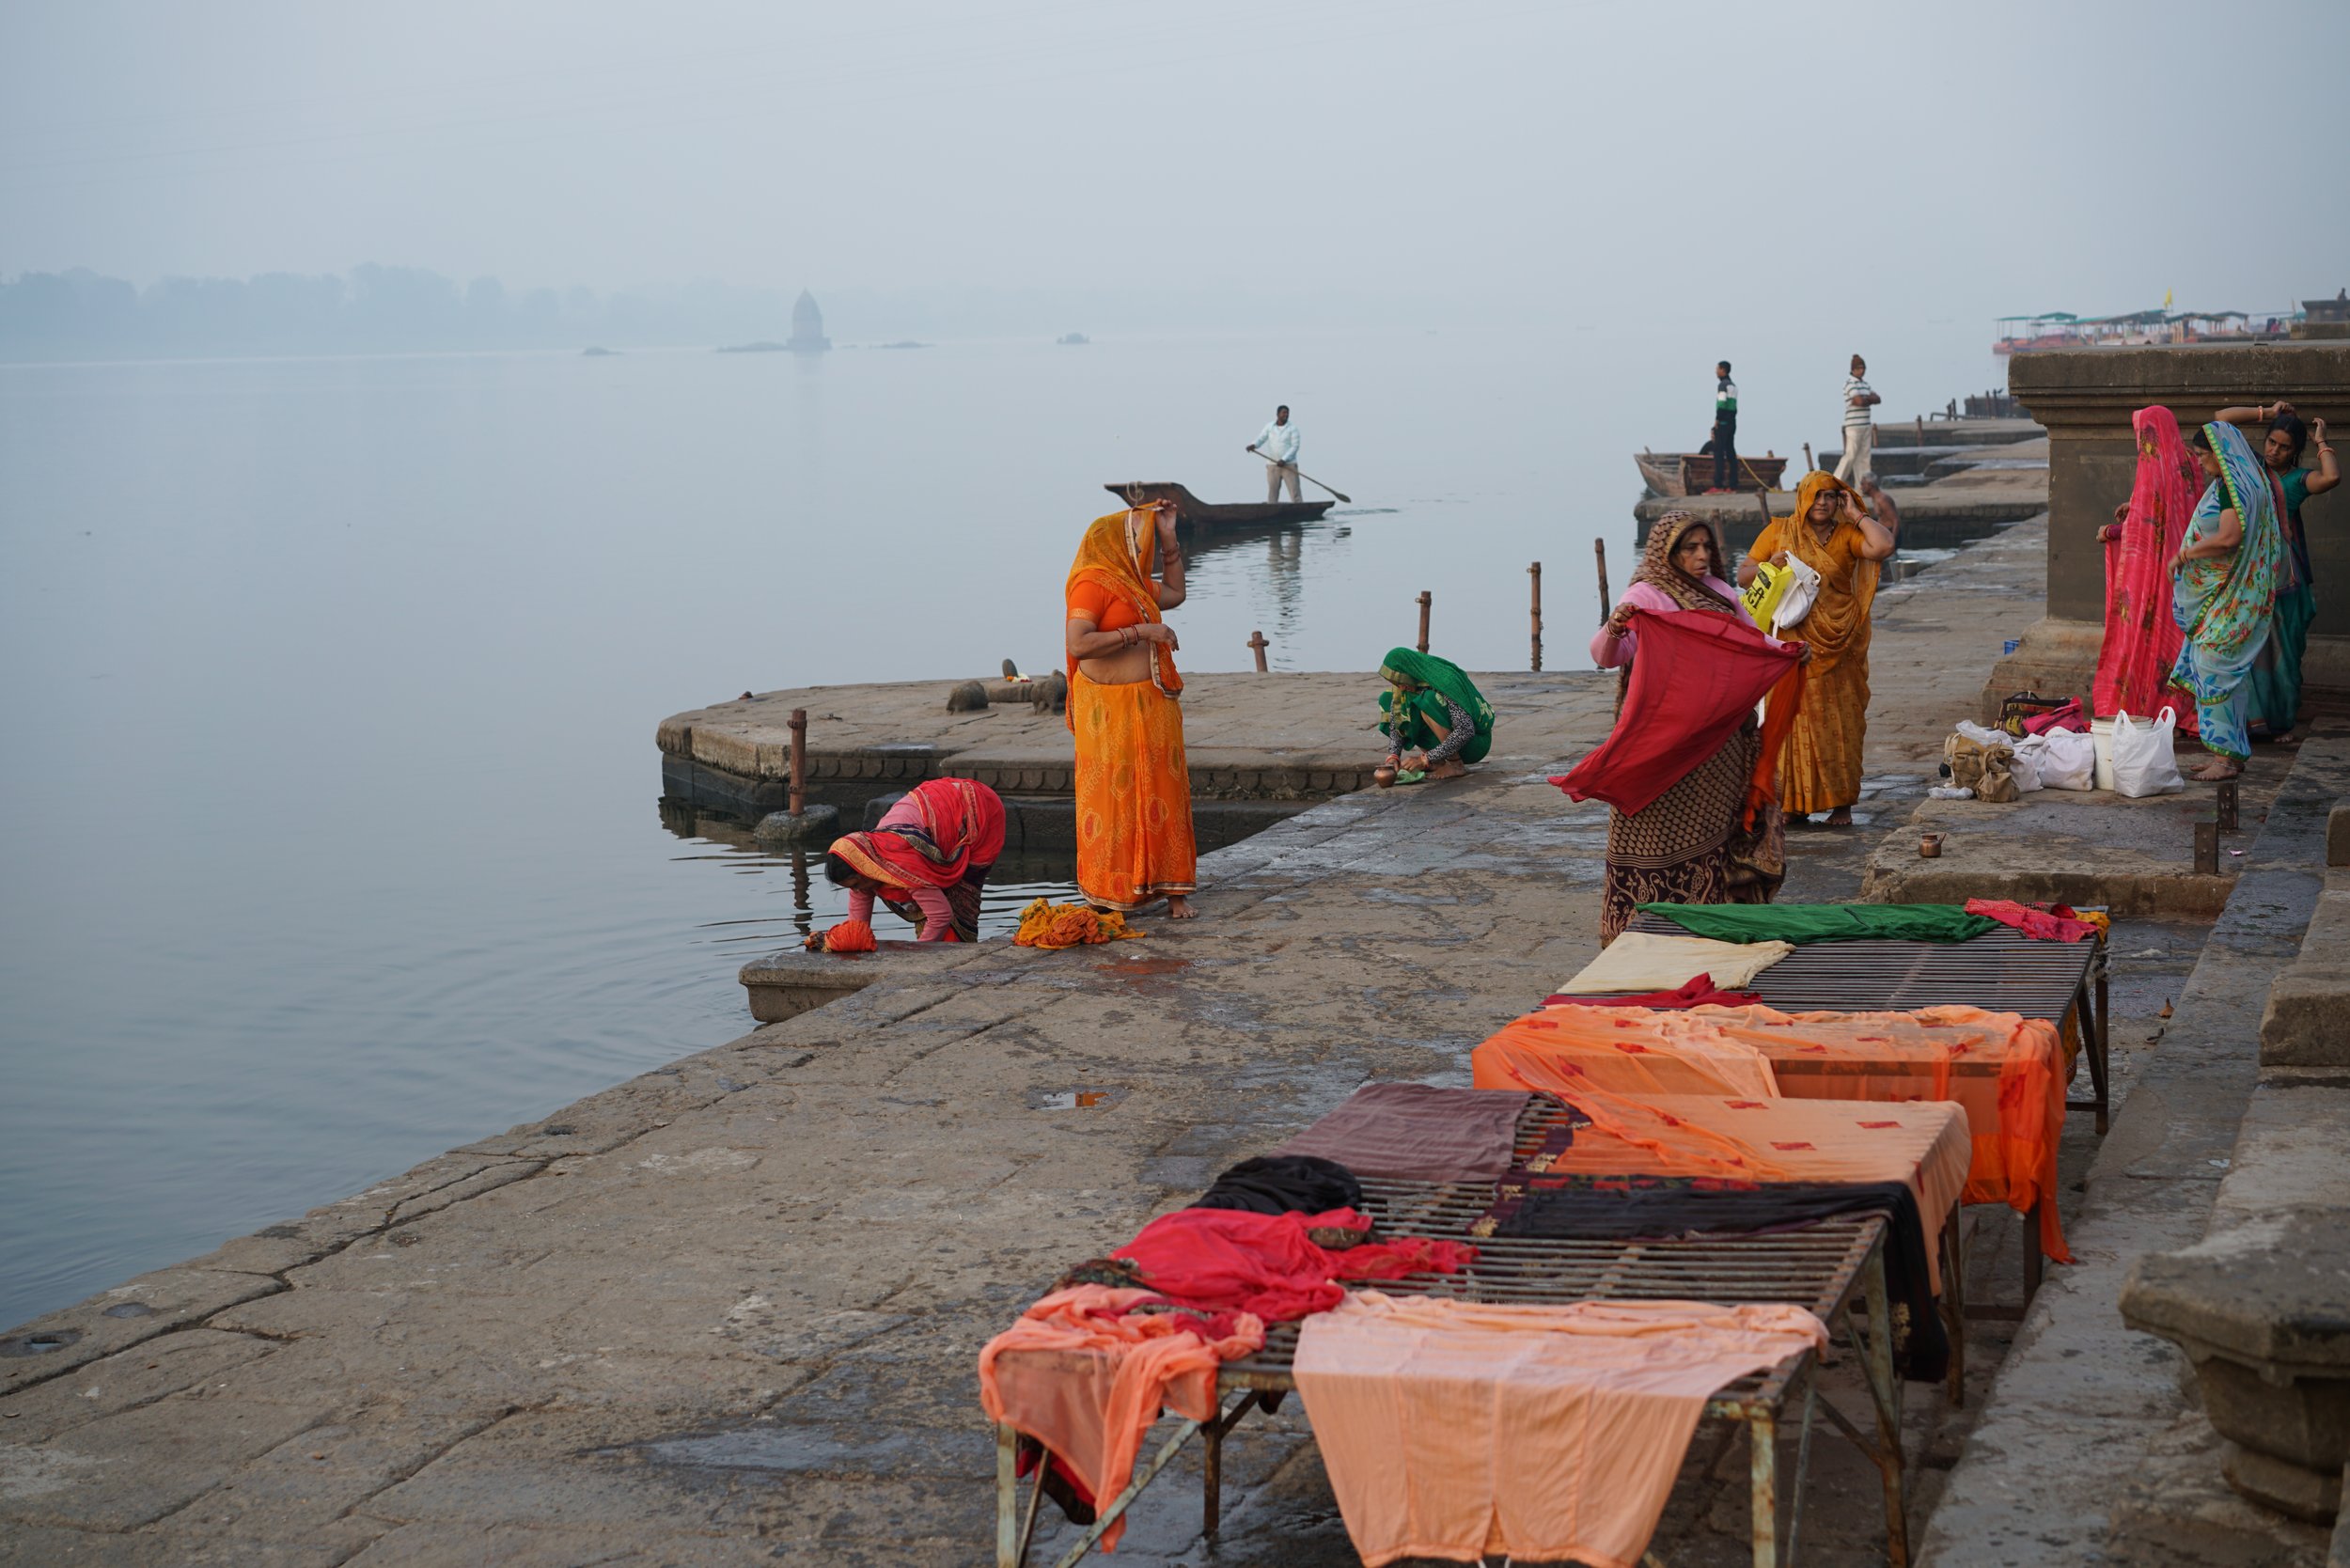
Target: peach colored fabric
pixel 1925 1145
pixel 1455 1429
pixel 2007 1072
pixel 1087 1387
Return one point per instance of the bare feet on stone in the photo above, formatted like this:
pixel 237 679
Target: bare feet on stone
pixel 1178 908
pixel 1840 817
pixel 1450 768
pixel 2218 768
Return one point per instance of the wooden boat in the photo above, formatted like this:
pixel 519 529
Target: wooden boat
pixel 1195 514
pixel 1692 473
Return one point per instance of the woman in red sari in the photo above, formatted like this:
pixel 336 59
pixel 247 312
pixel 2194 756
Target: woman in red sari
pixel 2141 636
pixel 927 859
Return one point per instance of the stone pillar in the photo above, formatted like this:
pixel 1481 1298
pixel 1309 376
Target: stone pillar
pixel 2084 398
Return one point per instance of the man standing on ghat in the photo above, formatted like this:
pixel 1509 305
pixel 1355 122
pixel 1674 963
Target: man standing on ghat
pixel 1725 430
pixel 1860 432
pixel 1277 445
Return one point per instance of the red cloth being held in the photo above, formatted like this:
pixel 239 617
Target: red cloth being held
pixel 1266 1266
pixel 1696 679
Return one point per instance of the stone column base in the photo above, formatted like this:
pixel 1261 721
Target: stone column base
pixel 2054 658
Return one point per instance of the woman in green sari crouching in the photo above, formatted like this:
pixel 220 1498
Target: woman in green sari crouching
pixel 1436 719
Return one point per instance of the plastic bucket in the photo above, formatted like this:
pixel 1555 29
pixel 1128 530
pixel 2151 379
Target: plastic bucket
pixel 2101 732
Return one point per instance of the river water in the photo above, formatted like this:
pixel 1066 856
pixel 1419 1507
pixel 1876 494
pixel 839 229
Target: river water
pixel 330 685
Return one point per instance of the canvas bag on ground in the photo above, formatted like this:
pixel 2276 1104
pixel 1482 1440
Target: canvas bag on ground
pixel 2143 762
pixel 1980 768
pixel 2064 759
pixel 2025 771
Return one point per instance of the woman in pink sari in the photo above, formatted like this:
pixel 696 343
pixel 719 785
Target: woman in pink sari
pixel 2141 636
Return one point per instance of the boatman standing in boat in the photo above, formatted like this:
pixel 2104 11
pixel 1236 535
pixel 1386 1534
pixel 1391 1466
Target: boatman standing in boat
pixel 1725 430
pixel 1277 445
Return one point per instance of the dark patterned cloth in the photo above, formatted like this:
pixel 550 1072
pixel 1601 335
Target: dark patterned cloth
pixel 1284 1184
pixel 1668 1208
pixel 1417 1132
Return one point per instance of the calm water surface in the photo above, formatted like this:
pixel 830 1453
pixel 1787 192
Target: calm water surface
pixel 330 685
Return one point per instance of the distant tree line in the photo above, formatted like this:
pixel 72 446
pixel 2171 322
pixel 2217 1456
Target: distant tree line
pixel 373 309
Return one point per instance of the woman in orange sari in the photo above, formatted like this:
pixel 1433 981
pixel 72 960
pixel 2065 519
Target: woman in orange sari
pixel 1839 537
pixel 1135 842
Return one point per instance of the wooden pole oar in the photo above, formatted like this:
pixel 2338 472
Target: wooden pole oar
pixel 1307 477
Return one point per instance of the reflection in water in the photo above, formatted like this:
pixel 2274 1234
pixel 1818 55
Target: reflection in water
pixel 1265 568
pixel 1020 878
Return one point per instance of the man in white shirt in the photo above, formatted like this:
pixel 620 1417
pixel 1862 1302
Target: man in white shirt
pixel 1277 445
pixel 1860 431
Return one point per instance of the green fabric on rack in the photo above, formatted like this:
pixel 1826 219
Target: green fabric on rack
pixel 1825 922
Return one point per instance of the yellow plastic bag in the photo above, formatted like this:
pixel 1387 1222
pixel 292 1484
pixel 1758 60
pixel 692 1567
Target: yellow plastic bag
pixel 1762 595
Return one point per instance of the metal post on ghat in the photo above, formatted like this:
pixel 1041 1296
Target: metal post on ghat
pixel 1426 599
pixel 799 759
pixel 1258 645
pixel 1535 573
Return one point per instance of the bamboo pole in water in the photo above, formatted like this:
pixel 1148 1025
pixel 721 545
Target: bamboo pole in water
pixel 799 759
pixel 1425 599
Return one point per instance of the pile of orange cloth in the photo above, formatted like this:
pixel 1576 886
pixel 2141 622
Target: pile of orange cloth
pixel 849 936
pixel 2006 1073
pixel 1456 1429
pixel 1045 924
pixel 1086 1375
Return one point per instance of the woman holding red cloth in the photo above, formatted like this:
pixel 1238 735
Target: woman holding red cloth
pixel 1694 843
pixel 927 859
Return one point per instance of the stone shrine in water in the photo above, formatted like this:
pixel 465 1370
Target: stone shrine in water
pixel 807 326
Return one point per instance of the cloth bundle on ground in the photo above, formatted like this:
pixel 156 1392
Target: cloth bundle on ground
pixel 849 936
pixel 1284 1184
pixel 2006 1073
pixel 1417 1132
pixel 1671 1208
pixel 1649 961
pixel 1086 1374
pixel 1696 681
pixel 1268 1265
pixel 1455 1429
pixel 1420 683
pixel 1801 923
pixel 1046 924
pixel 1700 992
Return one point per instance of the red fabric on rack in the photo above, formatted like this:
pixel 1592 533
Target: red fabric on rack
pixel 1696 680
pixel 2047 925
pixel 1266 1266
pixel 1697 992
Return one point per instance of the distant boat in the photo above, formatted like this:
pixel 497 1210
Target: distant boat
pixel 1192 512
pixel 904 343
pixel 598 352
pixel 762 345
pixel 1073 339
pixel 1692 473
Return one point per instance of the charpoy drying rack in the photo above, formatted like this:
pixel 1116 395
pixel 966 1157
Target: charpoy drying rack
pixel 2000 971
pixel 1835 1267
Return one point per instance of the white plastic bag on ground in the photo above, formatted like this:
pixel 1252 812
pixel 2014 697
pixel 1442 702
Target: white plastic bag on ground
pixel 2143 763
pixel 2064 759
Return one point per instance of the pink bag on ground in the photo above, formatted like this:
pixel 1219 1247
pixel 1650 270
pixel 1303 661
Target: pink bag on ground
pixel 2067 717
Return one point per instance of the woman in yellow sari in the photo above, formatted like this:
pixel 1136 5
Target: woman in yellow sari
pixel 1135 842
pixel 1832 532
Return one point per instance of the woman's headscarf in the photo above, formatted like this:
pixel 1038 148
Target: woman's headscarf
pixel 1658 570
pixel 1117 555
pixel 2164 497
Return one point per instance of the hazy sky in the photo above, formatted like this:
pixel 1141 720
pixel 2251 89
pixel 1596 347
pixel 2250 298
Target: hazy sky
pixel 1860 160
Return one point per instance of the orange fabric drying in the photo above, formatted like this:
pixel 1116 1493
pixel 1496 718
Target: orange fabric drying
pixel 2006 1072
pixel 1087 1384
pixel 1455 1429
pixel 1135 842
pixel 1617 1050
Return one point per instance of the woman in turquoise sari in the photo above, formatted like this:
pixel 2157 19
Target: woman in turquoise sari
pixel 2224 592
pixel 1435 718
